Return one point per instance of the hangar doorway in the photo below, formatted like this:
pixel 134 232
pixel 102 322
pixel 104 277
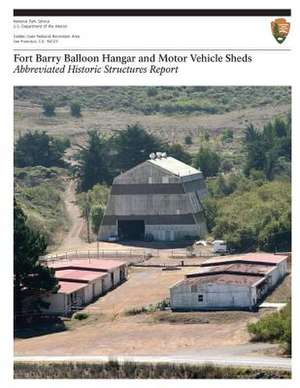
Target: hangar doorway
pixel 131 229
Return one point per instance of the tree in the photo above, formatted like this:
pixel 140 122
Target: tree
pixel 255 150
pixel 92 205
pixel 75 108
pixel 93 162
pixel 30 277
pixel 134 146
pixel 39 149
pixel 49 108
pixel 269 150
pixel 208 161
pixel 97 213
pixel 178 152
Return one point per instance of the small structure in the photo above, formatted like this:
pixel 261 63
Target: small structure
pixel 159 199
pixel 82 281
pixel 236 282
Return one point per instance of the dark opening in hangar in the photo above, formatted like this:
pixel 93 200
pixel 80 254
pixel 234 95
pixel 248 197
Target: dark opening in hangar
pixel 131 229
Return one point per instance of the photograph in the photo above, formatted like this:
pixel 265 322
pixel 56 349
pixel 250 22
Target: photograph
pixel 152 231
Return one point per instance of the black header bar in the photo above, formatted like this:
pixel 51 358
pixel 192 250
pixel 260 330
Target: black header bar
pixel 152 12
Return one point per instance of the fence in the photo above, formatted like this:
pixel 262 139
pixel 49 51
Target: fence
pixel 102 254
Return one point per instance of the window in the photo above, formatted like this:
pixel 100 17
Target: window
pixel 165 179
pixel 193 288
pixel 200 298
pixel 150 179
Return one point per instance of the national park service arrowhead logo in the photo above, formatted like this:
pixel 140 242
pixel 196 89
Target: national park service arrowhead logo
pixel 280 29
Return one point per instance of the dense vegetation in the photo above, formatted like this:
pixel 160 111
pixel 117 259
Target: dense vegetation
pixel 131 370
pixel 92 205
pixel 39 190
pixel 256 215
pixel 269 150
pixel 275 327
pixel 31 279
pixel 161 99
pixel 39 149
pixel 251 208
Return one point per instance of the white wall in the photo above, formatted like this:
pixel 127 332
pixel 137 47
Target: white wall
pixel 214 296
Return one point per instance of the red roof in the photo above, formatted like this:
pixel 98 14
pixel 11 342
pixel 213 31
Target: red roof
pixel 78 275
pixel 244 268
pixel 255 257
pixel 93 264
pixel 69 287
pixel 242 280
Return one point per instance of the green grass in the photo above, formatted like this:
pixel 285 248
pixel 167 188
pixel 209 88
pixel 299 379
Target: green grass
pixel 131 370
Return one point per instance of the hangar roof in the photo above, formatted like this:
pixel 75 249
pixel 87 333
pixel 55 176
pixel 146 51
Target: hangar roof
pixel 174 166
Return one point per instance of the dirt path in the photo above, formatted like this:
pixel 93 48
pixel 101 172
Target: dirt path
pixel 72 240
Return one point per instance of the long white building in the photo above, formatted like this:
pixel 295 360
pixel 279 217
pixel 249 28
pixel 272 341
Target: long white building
pixel 230 282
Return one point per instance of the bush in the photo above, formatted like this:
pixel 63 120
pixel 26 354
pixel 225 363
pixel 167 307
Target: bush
pixel 152 91
pixel 275 327
pixel 188 140
pixel 81 316
pixel 75 108
pixel 208 161
pixel 49 108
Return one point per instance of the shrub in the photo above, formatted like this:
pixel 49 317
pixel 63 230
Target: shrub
pixel 208 161
pixel 81 316
pixel 275 327
pixel 75 108
pixel 152 91
pixel 188 140
pixel 49 108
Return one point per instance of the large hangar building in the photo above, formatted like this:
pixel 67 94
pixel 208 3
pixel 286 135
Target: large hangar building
pixel 159 199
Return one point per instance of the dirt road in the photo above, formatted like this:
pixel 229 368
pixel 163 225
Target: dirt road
pixel 72 240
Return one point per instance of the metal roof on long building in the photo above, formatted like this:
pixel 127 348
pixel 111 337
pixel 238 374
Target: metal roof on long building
pixel 256 257
pixel 174 166
pixel 224 278
pixel 78 275
pixel 88 264
pixel 70 287
pixel 243 268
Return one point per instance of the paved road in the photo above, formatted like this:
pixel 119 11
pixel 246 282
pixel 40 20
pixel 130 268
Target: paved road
pixel 229 356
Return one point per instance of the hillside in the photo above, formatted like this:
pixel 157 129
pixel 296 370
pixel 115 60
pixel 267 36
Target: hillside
pixel 170 112
pixel 40 192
